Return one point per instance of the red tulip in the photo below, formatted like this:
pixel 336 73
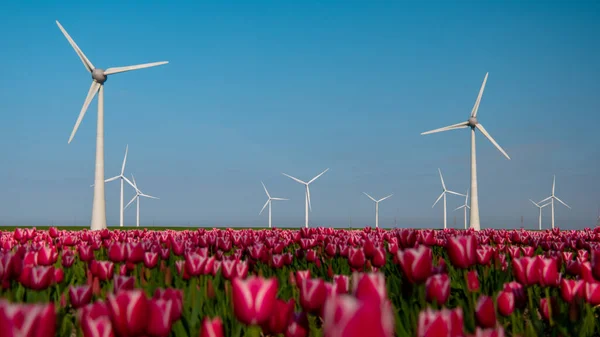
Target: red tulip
pixel 47 256
pixel 472 281
pixel 104 270
pixel 253 299
pixel 159 318
pixel 301 275
pixel 526 270
pixel 128 312
pixel 173 295
pixel 462 251
pixel 443 323
pixel 36 320
pixel 570 289
pixel 485 312
pixel 194 264
pixel 150 259
pixel 312 294
pixel 228 269
pixel 298 326
pixel 135 252
pixel 548 272
pixel 506 302
pixel 416 263
pixel 117 252
pixel 38 277
pixel 356 258
pixel 85 252
pixel 545 307
pixel 378 259
pixel 123 283
pixel 369 286
pixel 438 288
pixel 346 316
pixel 95 320
pixel 241 269
pixel 342 283
pixel 212 328
pixel 281 316
pixel 80 296
pixel 592 293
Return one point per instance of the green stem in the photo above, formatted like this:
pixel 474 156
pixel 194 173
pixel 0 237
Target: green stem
pixel 253 331
pixel 549 302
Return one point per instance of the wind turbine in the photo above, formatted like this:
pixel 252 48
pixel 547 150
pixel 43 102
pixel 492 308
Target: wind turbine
pixel 444 192
pixel 137 196
pixel 377 207
pixel 540 215
pixel 307 197
pixel 99 76
pixel 465 206
pixel 553 197
pixel 473 123
pixel 122 178
pixel 269 201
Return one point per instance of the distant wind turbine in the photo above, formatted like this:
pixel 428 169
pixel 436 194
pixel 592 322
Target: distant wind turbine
pixel 137 196
pixel 473 123
pixel 269 202
pixel 553 197
pixel 307 196
pixel 540 215
pixel 444 192
pixel 377 207
pixel 465 207
pixel 99 76
pixel 122 178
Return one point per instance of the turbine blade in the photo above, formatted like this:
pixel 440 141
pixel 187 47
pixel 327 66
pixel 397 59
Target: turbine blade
pixel 148 196
pixel 557 199
pixel 553 184
pixel 533 202
pixel 315 178
pixel 129 182
pixel 447 128
pixel 279 199
pixel 111 179
pixel 455 193
pixel 544 205
pixel 266 203
pixel 438 199
pixel 370 197
pixel 476 106
pixel 296 179
pixel 88 65
pixel 265 190
pixel 382 199
pixel 489 137
pixel 117 70
pixel 442 179
pixel 134 183
pixel 124 160
pixel 90 96
pixel 541 201
pixel 457 208
pixel 132 200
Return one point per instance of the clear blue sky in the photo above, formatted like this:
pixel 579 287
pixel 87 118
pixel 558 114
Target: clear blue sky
pixel 256 88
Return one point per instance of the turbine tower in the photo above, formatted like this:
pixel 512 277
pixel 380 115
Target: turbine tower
pixel 540 214
pixel 123 179
pixel 444 192
pixel 553 197
pixel 377 207
pixel 137 196
pixel 307 205
pixel 269 201
pixel 99 76
pixel 465 207
pixel 473 123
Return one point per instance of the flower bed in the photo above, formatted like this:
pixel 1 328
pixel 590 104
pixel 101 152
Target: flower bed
pixel 311 282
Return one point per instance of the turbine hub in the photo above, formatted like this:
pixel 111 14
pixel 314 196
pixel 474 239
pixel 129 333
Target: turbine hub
pixel 98 75
pixel 473 122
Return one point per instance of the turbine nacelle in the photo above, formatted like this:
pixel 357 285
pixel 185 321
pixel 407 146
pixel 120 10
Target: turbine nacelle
pixel 472 122
pixel 99 76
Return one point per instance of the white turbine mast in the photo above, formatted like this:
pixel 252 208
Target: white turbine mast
pixel 465 207
pixel 136 197
pixel 269 202
pixel 377 207
pixel 553 197
pixel 473 123
pixel 444 192
pixel 540 213
pixel 99 77
pixel 307 204
pixel 122 178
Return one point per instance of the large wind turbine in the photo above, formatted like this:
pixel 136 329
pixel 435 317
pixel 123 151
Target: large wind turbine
pixel 540 215
pixel 377 207
pixel 473 123
pixel 444 192
pixel 465 207
pixel 553 197
pixel 99 76
pixel 137 196
pixel 122 178
pixel 307 197
pixel 269 202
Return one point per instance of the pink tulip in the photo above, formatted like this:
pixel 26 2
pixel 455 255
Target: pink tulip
pixel 212 328
pixel 485 312
pixel 438 288
pixel 128 312
pixel 462 251
pixel 80 296
pixel 248 306
pixel 346 316
pixel 506 302
pixel 281 316
pixel 443 323
pixel 312 294
pixel 150 259
pixel 416 263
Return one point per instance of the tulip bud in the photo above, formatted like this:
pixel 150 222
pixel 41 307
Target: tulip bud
pixel 485 312
pixel 212 328
pixel 249 308
pixel 472 281
pixel 438 288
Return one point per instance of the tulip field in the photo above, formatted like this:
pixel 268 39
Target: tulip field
pixel 309 282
